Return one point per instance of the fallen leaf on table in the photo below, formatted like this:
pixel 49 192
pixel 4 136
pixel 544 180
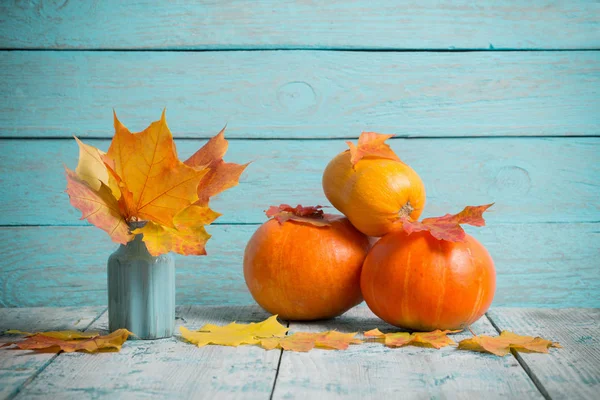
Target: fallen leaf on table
pixel 56 334
pixel 235 334
pixel 70 341
pixel 448 226
pixel 501 345
pixel 305 341
pixel 436 339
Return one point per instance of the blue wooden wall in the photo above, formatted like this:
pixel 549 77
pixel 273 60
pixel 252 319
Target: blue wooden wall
pixel 490 101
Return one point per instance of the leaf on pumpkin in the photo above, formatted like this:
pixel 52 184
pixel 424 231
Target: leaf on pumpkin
pixel 99 207
pixel 221 175
pixel 235 334
pixel 448 227
pixel 371 144
pixel 188 237
pixel 148 166
pixel 313 215
pixel 306 341
pixel 69 341
pixel 436 339
pixel 501 345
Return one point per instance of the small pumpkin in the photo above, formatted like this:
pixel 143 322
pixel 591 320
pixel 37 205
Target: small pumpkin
pixel 305 265
pixel 371 186
pixel 431 275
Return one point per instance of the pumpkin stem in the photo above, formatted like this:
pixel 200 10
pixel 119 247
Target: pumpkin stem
pixel 406 210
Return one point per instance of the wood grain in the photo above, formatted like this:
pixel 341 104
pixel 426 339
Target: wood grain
pixel 542 265
pixel 353 24
pixel 531 180
pixel 301 94
pixel 373 371
pixel 572 372
pixel 18 367
pixel 167 368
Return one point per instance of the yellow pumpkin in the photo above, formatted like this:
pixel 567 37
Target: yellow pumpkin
pixel 372 187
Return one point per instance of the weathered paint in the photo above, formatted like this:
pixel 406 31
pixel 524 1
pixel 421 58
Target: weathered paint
pixel 374 371
pixel 572 372
pixel 301 94
pixel 541 265
pixel 17 368
pixel 377 24
pixel 530 179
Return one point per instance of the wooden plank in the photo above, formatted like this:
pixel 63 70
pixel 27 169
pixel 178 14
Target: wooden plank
pixel 301 94
pixel 538 265
pixel 373 371
pixel 569 373
pixel 527 178
pixel 165 369
pixel 354 24
pixel 17 368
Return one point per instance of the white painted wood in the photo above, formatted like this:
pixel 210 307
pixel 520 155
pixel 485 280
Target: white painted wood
pixel 166 368
pixel 373 371
pixel 17 367
pixel 572 372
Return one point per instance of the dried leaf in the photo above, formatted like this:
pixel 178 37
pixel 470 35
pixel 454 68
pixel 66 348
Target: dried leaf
pixel 70 341
pixel 448 227
pixel 305 341
pixel 188 237
pixel 371 144
pixel 235 334
pixel 148 166
pixel 221 175
pixel 313 215
pixel 501 345
pixel 56 334
pixel 91 168
pixel 99 207
pixel 436 339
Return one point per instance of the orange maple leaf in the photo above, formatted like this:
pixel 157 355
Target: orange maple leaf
pixel 312 215
pixel 501 345
pixel 436 339
pixel 371 144
pixel 70 341
pixel 448 226
pixel 306 341
pixel 221 175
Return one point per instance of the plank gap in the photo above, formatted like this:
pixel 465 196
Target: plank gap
pixel 278 366
pixel 536 381
pixel 301 48
pixel 50 361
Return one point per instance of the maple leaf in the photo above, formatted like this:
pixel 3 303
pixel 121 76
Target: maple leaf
pixel 501 345
pixel 313 215
pixel 221 175
pixel 371 144
pixel 306 341
pixel 70 341
pixel 436 339
pixel 99 207
pixel 56 334
pixel 91 168
pixel 448 226
pixel 148 166
pixel 235 334
pixel 188 237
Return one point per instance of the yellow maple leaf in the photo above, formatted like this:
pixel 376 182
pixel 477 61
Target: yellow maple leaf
pixel 501 345
pixel 436 339
pixel 235 334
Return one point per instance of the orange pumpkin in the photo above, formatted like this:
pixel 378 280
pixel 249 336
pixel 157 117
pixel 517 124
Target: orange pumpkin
pixel 305 265
pixel 372 187
pixel 420 283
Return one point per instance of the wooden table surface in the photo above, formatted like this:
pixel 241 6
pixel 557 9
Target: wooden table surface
pixel 172 368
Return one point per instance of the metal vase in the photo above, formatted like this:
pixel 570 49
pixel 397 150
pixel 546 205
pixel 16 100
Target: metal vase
pixel 141 290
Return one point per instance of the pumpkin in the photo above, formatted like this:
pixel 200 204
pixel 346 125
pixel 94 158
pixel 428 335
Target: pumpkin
pixel 304 264
pixel 371 186
pixel 420 283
